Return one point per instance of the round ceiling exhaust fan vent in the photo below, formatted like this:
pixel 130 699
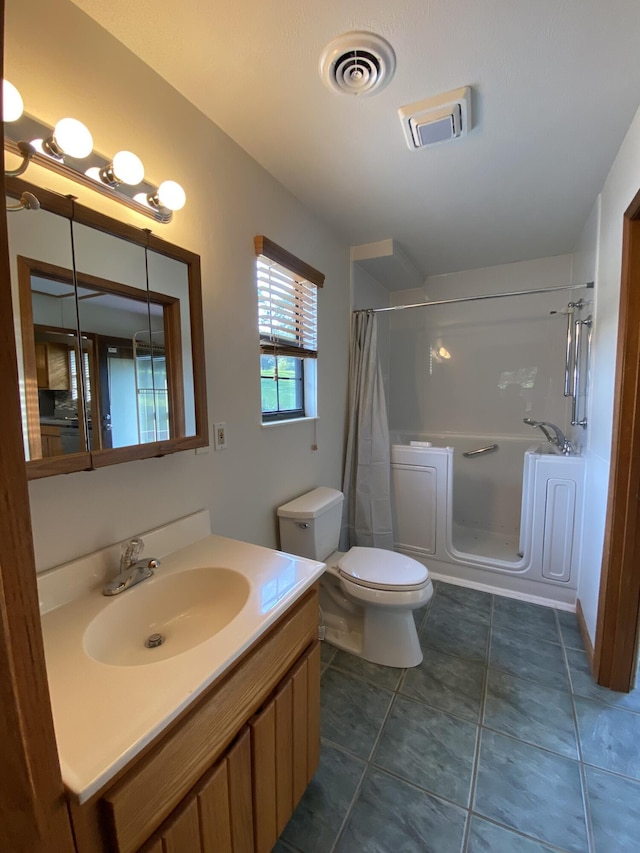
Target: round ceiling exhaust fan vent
pixel 357 63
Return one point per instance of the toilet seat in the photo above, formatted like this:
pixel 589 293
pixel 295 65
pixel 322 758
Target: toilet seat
pixel 389 571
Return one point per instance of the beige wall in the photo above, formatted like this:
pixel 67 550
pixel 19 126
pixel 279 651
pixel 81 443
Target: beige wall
pixel 63 63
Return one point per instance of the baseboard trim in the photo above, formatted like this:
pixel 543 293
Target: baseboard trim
pixel 586 639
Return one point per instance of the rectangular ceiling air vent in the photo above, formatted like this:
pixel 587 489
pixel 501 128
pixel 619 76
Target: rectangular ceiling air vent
pixel 438 119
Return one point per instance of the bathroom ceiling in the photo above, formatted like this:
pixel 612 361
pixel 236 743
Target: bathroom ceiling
pixel 555 86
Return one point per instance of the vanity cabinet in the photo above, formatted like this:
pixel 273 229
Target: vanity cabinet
pixel 216 817
pixel 228 774
pixel 51 440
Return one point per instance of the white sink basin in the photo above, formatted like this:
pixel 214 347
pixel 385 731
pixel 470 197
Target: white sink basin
pixel 185 608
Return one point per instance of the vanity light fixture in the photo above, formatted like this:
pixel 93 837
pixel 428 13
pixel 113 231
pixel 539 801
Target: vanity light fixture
pixel 70 137
pixel 169 195
pixel 125 168
pixel 67 149
pixel 27 201
pixel 12 106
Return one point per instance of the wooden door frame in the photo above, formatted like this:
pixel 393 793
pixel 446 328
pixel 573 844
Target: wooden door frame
pixel 32 800
pixel 617 628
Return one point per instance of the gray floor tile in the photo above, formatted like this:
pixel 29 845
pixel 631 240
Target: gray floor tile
pixel 419 614
pixel 352 711
pixel 449 631
pixel 327 651
pixel 536 660
pixel 610 738
pixel 583 684
pixel 391 816
pixel 532 791
pixel 429 748
pixel 458 609
pixel 318 817
pixel 615 815
pixel 281 847
pixel 569 629
pixel 448 683
pixel 486 837
pixel 464 596
pixel 526 618
pixel 531 712
pixel 383 676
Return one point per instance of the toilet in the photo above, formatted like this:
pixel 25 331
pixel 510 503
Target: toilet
pixel 366 595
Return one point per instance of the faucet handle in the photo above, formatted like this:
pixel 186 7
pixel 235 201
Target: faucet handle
pixel 131 550
pixel 151 563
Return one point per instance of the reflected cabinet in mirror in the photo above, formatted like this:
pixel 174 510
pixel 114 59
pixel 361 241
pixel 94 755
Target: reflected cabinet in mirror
pixel 108 322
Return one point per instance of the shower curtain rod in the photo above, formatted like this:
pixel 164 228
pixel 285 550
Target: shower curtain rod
pixel 589 284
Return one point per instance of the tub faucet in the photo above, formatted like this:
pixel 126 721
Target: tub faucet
pixel 132 570
pixel 558 439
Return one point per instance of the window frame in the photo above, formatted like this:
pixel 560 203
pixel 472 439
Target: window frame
pixel 299 338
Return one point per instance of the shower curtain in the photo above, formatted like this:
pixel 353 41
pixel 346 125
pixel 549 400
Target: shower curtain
pixel 366 517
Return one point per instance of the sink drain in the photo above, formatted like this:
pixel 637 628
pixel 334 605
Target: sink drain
pixel 154 640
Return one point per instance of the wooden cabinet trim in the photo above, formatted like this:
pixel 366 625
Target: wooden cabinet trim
pixel 284 756
pixel 213 804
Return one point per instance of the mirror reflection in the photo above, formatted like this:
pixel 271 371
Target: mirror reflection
pixel 105 340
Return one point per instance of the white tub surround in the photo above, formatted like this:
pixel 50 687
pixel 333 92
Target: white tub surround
pixel 105 714
pixel 533 556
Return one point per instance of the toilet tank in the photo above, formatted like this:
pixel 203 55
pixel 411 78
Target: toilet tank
pixel 310 524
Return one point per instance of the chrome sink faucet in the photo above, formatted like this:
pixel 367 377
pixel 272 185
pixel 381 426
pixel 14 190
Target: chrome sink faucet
pixel 558 439
pixel 132 570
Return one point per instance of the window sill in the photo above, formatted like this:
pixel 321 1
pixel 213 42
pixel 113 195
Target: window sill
pixel 282 422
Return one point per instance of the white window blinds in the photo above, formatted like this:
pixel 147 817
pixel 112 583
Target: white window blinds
pixel 287 310
pixel 287 301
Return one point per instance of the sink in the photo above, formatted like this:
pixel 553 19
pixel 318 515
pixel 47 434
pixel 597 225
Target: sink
pixel 185 609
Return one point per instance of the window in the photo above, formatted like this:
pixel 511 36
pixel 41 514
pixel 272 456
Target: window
pixel 288 324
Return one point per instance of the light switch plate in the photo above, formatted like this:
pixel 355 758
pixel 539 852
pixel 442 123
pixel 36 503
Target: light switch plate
pixel 220 436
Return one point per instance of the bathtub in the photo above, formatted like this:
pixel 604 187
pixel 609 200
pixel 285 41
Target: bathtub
pixel 507 520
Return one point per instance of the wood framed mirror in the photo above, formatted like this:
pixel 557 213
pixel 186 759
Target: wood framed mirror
pixel 109 333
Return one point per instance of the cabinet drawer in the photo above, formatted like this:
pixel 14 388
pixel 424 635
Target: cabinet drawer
pixel 137 805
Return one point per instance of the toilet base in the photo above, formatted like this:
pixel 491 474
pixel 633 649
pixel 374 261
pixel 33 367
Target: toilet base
pixel 391 638
pixel 381 635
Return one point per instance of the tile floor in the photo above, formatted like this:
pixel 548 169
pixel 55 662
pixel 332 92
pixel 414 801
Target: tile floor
pixel 499 742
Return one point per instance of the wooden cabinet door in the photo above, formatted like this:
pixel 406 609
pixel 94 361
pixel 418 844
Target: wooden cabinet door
pixel 216 816
pixel 285 749
pixel 52 366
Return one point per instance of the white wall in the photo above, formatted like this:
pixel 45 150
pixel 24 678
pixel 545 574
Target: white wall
pixel 600 249
pixel 64 64
pixel 369 293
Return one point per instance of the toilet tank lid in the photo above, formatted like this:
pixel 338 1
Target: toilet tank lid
pixel 312 504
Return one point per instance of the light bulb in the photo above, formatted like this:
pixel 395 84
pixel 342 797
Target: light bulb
pixel 171 195
pixel 93 173
pixel 12 105
pixel 71 137
pixel 127 168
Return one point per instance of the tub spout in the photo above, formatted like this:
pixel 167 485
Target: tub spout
pixel 558 439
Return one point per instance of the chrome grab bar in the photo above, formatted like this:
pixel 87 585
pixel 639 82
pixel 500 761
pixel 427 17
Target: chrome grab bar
pixel 577 367
pixel 568 391
pixel 570 350
pixel 490 448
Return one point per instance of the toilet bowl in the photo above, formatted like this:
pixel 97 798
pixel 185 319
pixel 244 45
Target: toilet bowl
pixel 367 595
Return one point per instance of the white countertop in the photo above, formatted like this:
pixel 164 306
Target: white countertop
pixel 104 715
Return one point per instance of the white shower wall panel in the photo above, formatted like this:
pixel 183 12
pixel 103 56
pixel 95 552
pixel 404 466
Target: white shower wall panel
pixel 481 367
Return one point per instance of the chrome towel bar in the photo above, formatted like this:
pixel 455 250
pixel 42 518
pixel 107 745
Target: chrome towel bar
pixel 490 448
